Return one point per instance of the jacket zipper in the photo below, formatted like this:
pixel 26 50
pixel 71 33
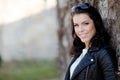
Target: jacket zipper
pixel 86 75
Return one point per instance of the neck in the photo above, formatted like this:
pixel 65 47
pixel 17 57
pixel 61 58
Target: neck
pixel 87 45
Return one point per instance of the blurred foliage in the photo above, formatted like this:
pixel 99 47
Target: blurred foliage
pixel 29 70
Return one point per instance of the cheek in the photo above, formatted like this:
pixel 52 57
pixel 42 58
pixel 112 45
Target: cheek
pixel 93 32
pixel 75 30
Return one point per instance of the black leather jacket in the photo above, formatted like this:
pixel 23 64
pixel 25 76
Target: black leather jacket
pixel 98 64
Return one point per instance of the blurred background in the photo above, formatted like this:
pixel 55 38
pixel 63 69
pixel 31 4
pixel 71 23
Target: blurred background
pixel 28 29
pixel 35 36
pixel 28 39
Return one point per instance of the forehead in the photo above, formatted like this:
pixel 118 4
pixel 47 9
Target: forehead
pixel 81 18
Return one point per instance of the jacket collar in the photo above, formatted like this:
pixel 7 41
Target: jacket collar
pixel 67 76
pixel 87 60
pixel 93 49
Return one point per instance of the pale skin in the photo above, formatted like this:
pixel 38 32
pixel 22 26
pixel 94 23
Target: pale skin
pixel 84 28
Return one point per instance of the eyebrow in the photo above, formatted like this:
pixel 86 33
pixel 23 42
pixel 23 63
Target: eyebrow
pixel 83 21
pixel 86 20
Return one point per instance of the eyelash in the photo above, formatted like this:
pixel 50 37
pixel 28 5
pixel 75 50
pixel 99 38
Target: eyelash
pixel 77 25
pixel 86 23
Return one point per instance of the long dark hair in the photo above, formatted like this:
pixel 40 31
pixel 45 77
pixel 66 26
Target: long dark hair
pixel 101 37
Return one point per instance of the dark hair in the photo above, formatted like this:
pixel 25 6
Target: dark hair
pixel 101 37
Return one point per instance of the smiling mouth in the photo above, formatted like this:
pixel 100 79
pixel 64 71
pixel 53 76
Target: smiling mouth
pixel 83 34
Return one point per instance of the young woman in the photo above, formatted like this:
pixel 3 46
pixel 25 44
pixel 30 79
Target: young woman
pixel 94 58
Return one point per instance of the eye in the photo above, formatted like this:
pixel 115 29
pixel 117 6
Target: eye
pixel 86 23
pixel 75 25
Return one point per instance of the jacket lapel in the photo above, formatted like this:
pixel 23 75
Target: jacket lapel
pixel 67 77
pixel 87 60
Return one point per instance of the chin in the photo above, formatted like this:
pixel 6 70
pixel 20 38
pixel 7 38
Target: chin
pixel 84 41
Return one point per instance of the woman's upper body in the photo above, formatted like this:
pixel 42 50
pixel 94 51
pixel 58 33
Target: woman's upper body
pixel 88 31
pixel 96 65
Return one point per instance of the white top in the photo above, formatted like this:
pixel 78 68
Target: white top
pixel 74 65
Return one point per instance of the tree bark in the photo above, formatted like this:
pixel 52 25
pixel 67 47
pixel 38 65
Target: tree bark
pixel 110 12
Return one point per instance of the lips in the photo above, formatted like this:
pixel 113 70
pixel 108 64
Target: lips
pixel 83 35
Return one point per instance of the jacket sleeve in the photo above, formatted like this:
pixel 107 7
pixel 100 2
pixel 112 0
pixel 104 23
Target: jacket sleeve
pixel 107 65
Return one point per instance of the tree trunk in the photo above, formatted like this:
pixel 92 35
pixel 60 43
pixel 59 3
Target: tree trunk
pixel 110 12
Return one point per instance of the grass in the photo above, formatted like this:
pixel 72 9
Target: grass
pixel 28 70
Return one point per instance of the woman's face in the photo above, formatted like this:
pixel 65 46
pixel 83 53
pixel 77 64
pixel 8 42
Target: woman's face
pixel 84 27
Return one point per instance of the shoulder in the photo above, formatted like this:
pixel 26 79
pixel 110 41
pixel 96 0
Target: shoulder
pixel 107 54
pixel 101 52
pixel 104 52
